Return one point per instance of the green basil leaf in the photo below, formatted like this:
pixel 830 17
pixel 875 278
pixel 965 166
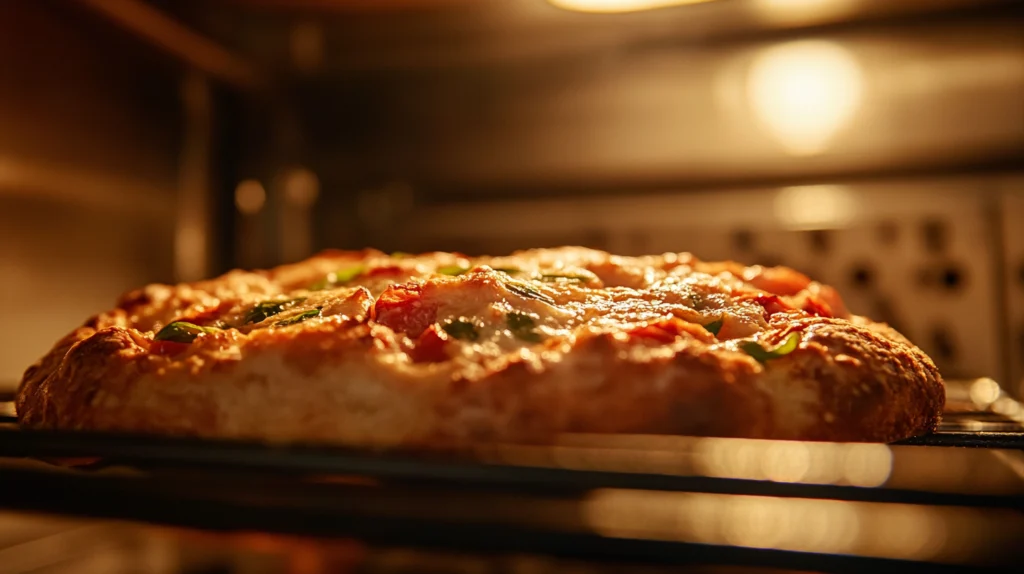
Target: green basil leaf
pixel 714 327
pixel 339 277
pixel 523 327
pixel 453 270
pixel 298 318
pixel 508 270
pixel 400 255
pixel 261 311
pixel 182 332
pixel 754 349
pixel 524 290
pixel 348 274
pixel 462 330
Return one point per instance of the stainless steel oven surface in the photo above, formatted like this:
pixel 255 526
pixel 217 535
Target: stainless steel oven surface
pixel 876 146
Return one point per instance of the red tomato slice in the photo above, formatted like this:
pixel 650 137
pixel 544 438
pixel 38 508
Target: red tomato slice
pixel 404 309
pixel 816 306
pixel 206 316
pixel 668 330
pixel 772 304
pixel 385 270
pixel 430 346
pixel 168 348
pixel 780 281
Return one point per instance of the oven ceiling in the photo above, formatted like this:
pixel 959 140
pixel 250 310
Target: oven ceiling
pixel 361 35
pixel 498 96
pixel 355 5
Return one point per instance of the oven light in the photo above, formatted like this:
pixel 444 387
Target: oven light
pixel 802 12
pixel 809 207
pixel 803 93
pixel 613 6
pixel 984 392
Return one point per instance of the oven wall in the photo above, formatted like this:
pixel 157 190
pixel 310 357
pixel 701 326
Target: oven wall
pixel 88 172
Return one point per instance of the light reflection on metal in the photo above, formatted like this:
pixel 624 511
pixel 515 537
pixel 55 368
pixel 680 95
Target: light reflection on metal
pixel 853 464
pixel 867 464
pixel 984 392
pixel 786 462
pixel 803 93
pixel 901 531
pixel 802 12
pixel 815 207
pixel 250 196
pixel 1014 460
pixel 1007 407
pixel 614 6
pixel 856 464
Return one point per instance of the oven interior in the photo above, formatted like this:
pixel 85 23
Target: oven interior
pixel 876 146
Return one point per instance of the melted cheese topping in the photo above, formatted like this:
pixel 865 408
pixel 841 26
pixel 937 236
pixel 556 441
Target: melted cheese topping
pixel 440 307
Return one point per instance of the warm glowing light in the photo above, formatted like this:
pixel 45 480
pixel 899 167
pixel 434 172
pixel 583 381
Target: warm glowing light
pixel 984 392
pixel 189 249
pixel 786 461
pixel 909 531
pixel 301 187
pixel 826 463
pixel 613 6
pixel 791 12
pixel 827 528
pixel 732 458
pixel 815 207
pixel 867 465
pixel 1008 408
pixel 250 196
pixel 757 522
pixel 803 93
pixel 870 529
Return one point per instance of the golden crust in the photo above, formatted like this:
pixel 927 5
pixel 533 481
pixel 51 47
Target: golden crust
pixel 616 345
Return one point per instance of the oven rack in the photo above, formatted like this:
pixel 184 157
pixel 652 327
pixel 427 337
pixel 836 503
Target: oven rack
pixel 539 499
